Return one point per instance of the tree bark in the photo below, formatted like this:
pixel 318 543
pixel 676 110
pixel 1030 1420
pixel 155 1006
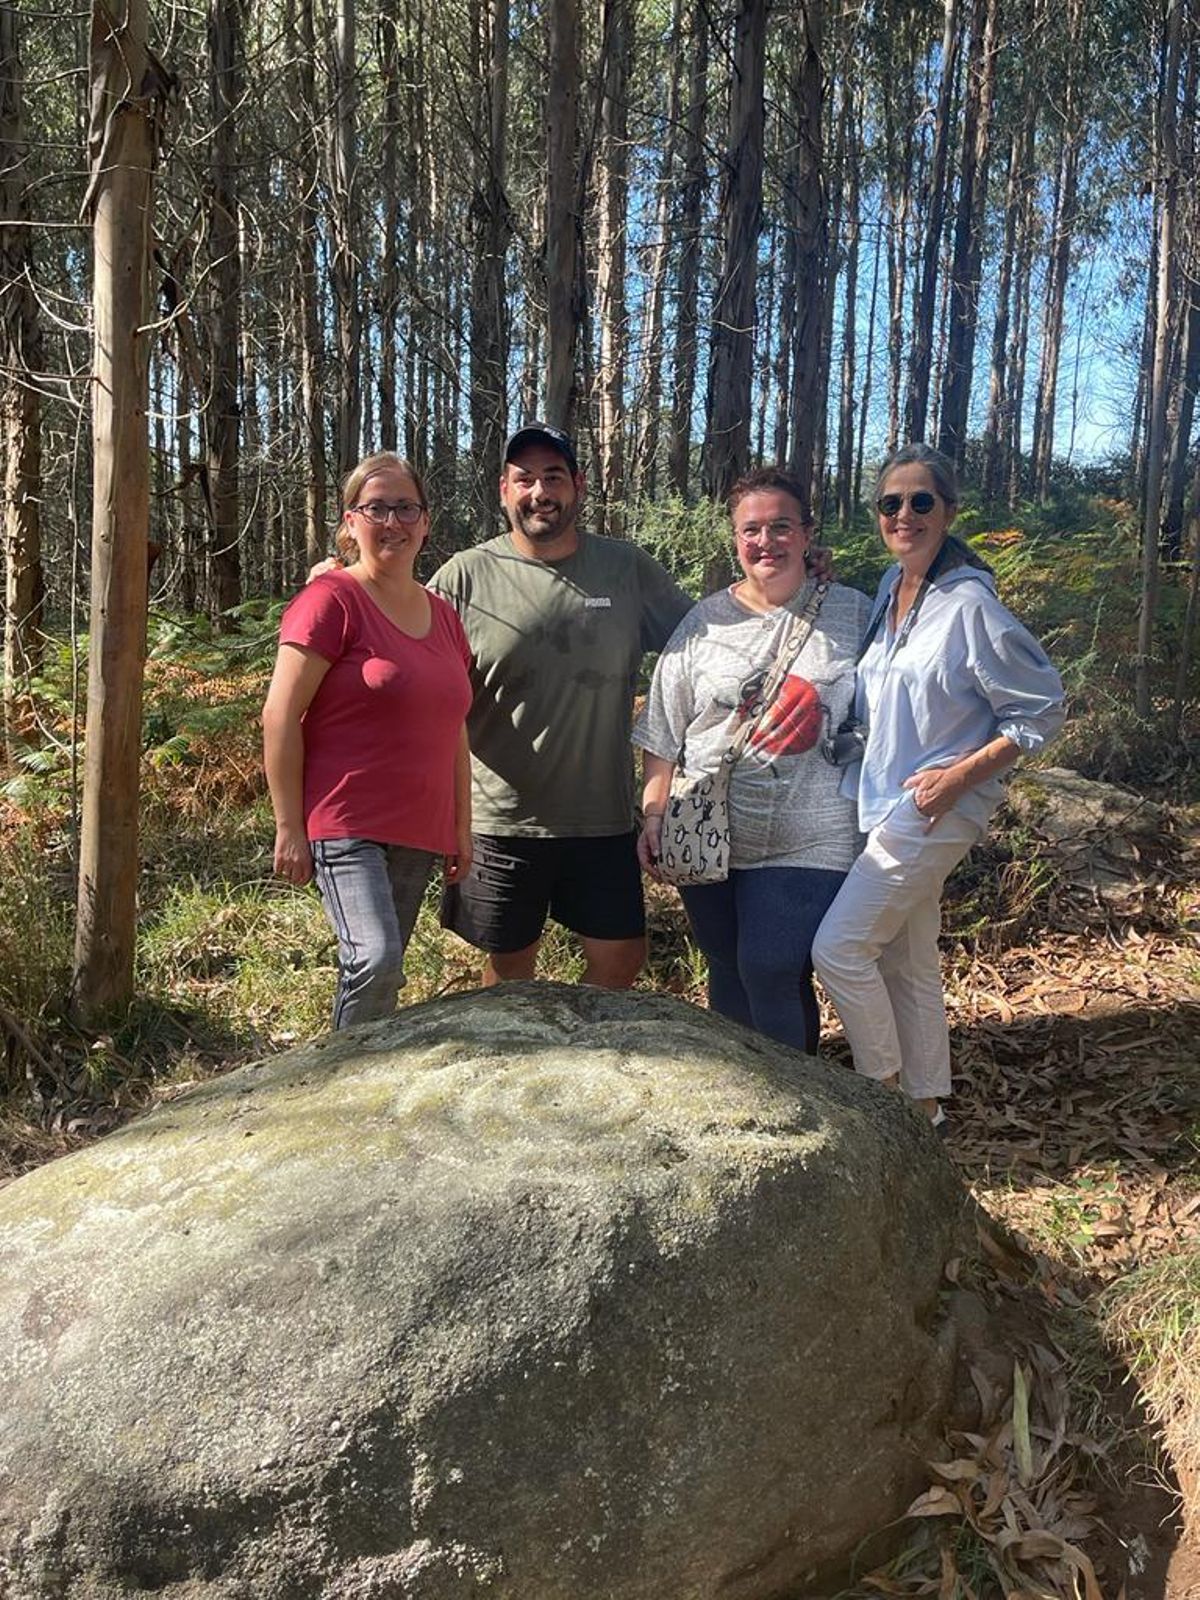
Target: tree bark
pixel 693 183
pixel 389 254
pixel 223 412
pixel 562 301
pixel 917 406
pixel 343 183
pixel 805 211
pixel 645 473
pixel 492 229
pixel 308 338
pixel 968 233
pixel 128 94
pixel 22 355
pixel 1167 198
pixel 612 200
pixel 727 434
pixel 996 433
pixel 844 487
pixel 1059 262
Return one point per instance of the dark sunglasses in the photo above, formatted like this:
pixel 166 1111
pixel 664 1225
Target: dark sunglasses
pixel 891 505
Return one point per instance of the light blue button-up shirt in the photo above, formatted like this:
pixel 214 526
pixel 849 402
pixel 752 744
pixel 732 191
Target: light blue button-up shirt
pixel 966 673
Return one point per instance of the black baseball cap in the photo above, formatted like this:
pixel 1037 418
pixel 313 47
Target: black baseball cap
pixel 543 433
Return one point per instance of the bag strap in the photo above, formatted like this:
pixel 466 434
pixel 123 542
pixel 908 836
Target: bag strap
pixel 790 647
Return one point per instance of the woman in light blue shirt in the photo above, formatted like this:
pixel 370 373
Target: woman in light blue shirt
pixel 952 690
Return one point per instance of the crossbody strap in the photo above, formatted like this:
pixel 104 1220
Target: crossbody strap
pixel 790 647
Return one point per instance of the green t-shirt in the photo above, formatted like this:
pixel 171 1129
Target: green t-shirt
pixel 557 645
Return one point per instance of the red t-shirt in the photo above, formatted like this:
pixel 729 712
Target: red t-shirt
pixel 382 732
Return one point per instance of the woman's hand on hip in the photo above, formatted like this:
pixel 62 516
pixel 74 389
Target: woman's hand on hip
pixel 936 790
pixel 649 845
pixel 293 855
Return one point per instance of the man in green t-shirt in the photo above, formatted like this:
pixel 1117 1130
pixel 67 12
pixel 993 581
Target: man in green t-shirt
pixel 558 621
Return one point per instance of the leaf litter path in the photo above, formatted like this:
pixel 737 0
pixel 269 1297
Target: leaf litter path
pixel 1076 1125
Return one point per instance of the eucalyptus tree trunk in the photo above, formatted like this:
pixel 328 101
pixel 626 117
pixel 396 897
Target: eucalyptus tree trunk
pixel 1191 619
pixel 222 411
pixel 844 486
pixel 968 232
pixel 804 212
pixel 389 263
pixel 419 246
pixel 1183 411
pixel 128 95
pixel 1187 367
pixel 868 362
pixel 22 356
pixel 307 336
pixel 920 363
pixel 344 227
pixel 1058 266
pixel 996 432
pixel 1167 201
pixel 492 229
pixel 727 431
pixel 1018 355
pixel 899 119
pixel 645 470
pixel 562 223
pixel 612 200
pixel 694 179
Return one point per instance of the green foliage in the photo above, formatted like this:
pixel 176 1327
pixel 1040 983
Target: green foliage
pixel 692 542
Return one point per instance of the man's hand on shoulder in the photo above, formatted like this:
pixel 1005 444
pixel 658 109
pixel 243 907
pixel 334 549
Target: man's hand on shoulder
pixel 330 564
pixel 820 563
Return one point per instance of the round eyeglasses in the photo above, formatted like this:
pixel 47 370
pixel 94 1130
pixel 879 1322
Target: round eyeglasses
pixel 378 511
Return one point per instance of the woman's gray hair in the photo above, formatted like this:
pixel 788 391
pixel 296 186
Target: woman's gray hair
pixel 939 467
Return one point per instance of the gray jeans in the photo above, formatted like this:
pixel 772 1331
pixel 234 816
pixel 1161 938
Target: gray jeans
pixel 372 894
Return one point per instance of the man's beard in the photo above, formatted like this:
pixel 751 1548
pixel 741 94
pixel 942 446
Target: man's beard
pixel 544 532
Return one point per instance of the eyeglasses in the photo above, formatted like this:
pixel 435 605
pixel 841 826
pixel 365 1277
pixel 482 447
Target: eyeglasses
pixel 378 511
pixel 891 505
pixel 782 529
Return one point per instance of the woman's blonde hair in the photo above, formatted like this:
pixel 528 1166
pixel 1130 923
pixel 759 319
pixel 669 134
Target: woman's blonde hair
pixel 347 544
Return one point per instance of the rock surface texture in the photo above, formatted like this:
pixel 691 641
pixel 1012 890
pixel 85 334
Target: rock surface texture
pixel 542 1293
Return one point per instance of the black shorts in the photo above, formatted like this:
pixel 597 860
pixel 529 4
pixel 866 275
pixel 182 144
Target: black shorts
pixel 592 886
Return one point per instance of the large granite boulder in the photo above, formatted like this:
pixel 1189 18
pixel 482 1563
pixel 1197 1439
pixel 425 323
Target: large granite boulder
pixel 542 1293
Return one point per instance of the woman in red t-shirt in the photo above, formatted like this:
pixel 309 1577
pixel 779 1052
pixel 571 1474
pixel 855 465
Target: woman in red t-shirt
pixel 364 737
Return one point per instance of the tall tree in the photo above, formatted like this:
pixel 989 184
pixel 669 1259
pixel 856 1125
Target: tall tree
pixel 727 435
pixel 492 229
pixel 22 357
pixel 612 202
pixel 128 94
pixel 917 407
pixel 223 410
pixel 1166 204
pixel 967 257
pixel 804 212
pixel 562 221
pixel 693 181
pixel 309 335
pixel 650 396
pixel 343 183
pixel 1062 232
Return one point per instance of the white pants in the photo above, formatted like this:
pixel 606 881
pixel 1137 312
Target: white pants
pixel 876 952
